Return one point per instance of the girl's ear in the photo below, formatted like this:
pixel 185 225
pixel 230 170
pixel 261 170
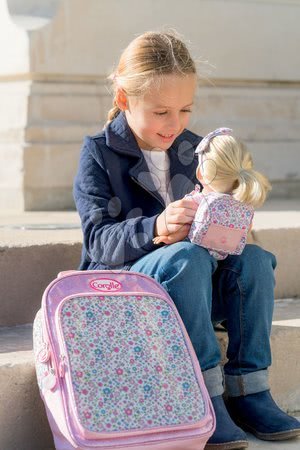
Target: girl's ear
pixel 121 99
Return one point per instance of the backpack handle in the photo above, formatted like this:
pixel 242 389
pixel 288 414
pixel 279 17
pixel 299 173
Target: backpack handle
pixel 66 272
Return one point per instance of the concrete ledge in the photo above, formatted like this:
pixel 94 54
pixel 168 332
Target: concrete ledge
pixel 284 243
pixel 23 419
pixel 25 274
pixel 34 247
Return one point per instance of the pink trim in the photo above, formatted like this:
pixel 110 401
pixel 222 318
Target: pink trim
pixel 66 273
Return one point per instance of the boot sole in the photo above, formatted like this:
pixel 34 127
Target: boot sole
pixel 234 445
pixel 280 436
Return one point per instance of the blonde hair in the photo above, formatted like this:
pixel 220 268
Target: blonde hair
pixel 227 166
pixel 149 55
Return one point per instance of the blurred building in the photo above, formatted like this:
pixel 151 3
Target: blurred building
pixel 56 55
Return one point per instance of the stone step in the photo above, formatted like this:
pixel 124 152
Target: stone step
pixel 35 246
pixel 22 416
pixel 257 444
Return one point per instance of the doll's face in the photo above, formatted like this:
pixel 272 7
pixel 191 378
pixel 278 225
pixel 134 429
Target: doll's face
pixel 161 115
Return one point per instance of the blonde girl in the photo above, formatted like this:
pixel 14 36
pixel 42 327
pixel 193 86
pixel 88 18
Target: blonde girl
pixel 123 205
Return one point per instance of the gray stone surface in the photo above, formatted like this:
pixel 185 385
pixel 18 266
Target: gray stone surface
pixel 20 403
pixel 256 444
pixel 26 272
pixel 54 89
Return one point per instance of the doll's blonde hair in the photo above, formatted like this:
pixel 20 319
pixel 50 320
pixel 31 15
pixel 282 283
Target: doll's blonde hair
pixel 149 55
pixel 227 166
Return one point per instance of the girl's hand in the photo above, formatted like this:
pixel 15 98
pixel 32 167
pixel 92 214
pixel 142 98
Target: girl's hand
pixel 176 218
pixel 171 238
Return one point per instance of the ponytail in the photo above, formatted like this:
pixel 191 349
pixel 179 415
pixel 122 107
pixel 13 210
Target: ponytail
pixel 229 166
pixel 252 187
pixel 112 113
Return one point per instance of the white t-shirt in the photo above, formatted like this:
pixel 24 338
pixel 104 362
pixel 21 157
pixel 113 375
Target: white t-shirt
pixel 159 167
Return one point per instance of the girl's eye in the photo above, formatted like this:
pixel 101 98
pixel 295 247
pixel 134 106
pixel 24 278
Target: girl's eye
pixel 165 112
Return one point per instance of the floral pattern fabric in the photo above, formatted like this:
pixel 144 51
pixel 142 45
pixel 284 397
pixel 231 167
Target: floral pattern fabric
pixel 219 209
pixel 129 363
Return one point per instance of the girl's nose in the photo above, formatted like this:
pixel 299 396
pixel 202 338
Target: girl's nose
pixel 174 122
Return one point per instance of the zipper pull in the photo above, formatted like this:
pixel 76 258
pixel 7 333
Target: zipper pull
pixel 44 353
pixel 62 366
pixel 49 382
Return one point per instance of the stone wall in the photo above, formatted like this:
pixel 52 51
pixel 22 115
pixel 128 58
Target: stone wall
pixel 56 55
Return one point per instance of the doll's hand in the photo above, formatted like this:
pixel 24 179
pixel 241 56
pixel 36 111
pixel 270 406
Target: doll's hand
pixel 160 240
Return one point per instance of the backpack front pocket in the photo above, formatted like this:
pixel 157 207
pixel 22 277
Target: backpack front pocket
pixel 126 366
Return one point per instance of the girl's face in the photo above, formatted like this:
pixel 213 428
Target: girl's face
pixel 158 117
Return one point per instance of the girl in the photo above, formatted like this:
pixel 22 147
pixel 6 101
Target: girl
pixel 231 191
pixel 123 207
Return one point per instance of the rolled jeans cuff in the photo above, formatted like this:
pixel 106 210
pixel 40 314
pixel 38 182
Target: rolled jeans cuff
pixel 213 379
pixel 249 383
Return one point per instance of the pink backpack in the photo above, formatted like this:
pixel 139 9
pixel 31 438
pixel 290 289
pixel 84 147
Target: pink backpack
pixel 221 223
pixel 115 366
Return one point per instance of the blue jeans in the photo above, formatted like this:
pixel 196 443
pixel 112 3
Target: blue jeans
pixel 238 290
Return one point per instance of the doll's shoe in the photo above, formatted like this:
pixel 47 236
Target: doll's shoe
pixel 227 435
pixel 259 414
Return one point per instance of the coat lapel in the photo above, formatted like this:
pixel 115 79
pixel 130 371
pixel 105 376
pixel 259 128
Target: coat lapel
pixel 183 162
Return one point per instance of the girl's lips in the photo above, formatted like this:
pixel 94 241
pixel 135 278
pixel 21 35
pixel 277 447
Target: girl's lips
pixel 167 138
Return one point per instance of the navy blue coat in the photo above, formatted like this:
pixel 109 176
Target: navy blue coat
pixel 116 198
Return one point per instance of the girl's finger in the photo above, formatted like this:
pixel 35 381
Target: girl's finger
pixel 173 228
pixel 187 203
pixel 180 219
pixel 183 212
pixel 176 237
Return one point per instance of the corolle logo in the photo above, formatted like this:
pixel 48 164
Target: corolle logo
pixel 105 285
